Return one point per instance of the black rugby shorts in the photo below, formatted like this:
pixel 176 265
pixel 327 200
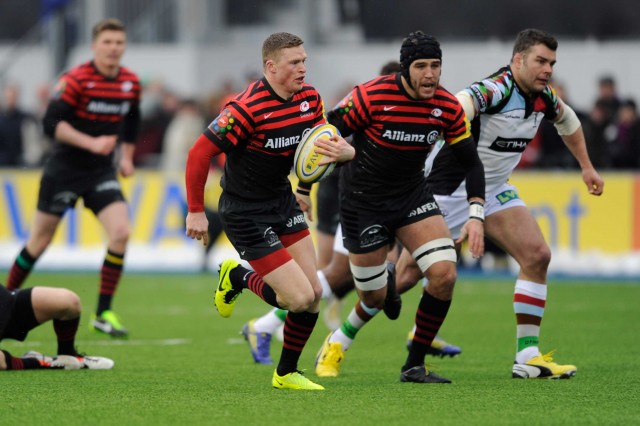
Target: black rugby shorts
pixel 22 319
pixel 367 226
pixel 254 227
pixel 61 191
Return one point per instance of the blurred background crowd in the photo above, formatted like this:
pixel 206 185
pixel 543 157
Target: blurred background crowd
pixel 171 123
pixel 173 117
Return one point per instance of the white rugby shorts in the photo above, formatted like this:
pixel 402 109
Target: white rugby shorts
pixel 455 209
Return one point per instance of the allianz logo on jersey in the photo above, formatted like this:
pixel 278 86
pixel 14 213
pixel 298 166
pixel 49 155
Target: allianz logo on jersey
pixel 400 135
pixel 100 107
pixel 509 145
pixel 282 142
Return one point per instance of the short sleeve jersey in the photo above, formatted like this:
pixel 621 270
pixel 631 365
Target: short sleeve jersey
pixel 96 105
pixel 506 122
pixel 393 135
pixel 259 132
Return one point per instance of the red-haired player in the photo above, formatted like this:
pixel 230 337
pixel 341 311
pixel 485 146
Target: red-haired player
pixel 259 131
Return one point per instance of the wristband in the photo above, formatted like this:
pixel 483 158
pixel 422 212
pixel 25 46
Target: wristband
pixel 303 191
pixel 476 211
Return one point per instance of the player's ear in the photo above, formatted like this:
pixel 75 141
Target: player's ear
pixel 518 59
pixel 270 66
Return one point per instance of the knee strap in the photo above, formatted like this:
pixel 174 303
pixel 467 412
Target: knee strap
pixel 369 278
pixel 438 250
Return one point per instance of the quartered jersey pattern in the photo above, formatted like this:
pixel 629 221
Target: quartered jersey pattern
pixel 507 121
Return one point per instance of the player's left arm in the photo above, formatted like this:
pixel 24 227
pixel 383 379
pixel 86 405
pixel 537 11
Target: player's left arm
pixel 303 190
pixel 334 149
pixel 130 127
pixel 351 113
pixel 458 136
pixel 570 130
pixel 467 155
pixel 467 103
pixel 126 159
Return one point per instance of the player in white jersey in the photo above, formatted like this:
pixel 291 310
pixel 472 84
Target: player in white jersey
pixel 506 110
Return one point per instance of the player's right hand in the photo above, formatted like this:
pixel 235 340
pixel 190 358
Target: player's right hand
pixel 336 148
pixel 197 227
pixel 595 184
pixel 304 201
pixel 104 145
pixel 474 230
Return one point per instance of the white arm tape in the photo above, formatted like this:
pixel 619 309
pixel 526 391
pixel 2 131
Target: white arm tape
pixel 466 101
pixel 476 211
pixel 569 121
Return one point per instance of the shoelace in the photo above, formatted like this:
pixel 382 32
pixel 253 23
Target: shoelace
pixel 333 354
pixel 548 357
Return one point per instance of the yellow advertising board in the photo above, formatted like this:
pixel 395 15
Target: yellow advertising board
pixel 569 217
pixel 157 209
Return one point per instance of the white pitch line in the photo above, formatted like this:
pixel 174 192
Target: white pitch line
pixel 114 342
pixel 235 341
pixel 138 342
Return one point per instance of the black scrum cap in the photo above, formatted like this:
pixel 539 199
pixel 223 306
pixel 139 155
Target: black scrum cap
pixel 418 45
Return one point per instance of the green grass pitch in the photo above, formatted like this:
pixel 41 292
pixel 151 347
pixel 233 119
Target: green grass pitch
pixel 186 365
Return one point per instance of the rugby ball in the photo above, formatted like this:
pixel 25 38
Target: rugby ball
pixel 306 160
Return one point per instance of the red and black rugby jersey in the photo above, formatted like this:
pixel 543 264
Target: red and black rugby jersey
pixel 393 135
pixel 259 132
pixel 95 105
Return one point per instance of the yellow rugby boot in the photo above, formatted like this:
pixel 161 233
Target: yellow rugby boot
pixel 329 358
pixel 543 367
pixel 227 292
pixel 109 323
pixel 295 381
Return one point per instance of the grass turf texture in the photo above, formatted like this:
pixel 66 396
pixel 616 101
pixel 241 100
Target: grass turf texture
pixel 186 365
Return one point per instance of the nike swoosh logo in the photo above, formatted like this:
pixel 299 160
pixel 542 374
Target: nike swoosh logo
pixel 268 115
pixel 279 382
pixel 388 108
pixel 222 278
